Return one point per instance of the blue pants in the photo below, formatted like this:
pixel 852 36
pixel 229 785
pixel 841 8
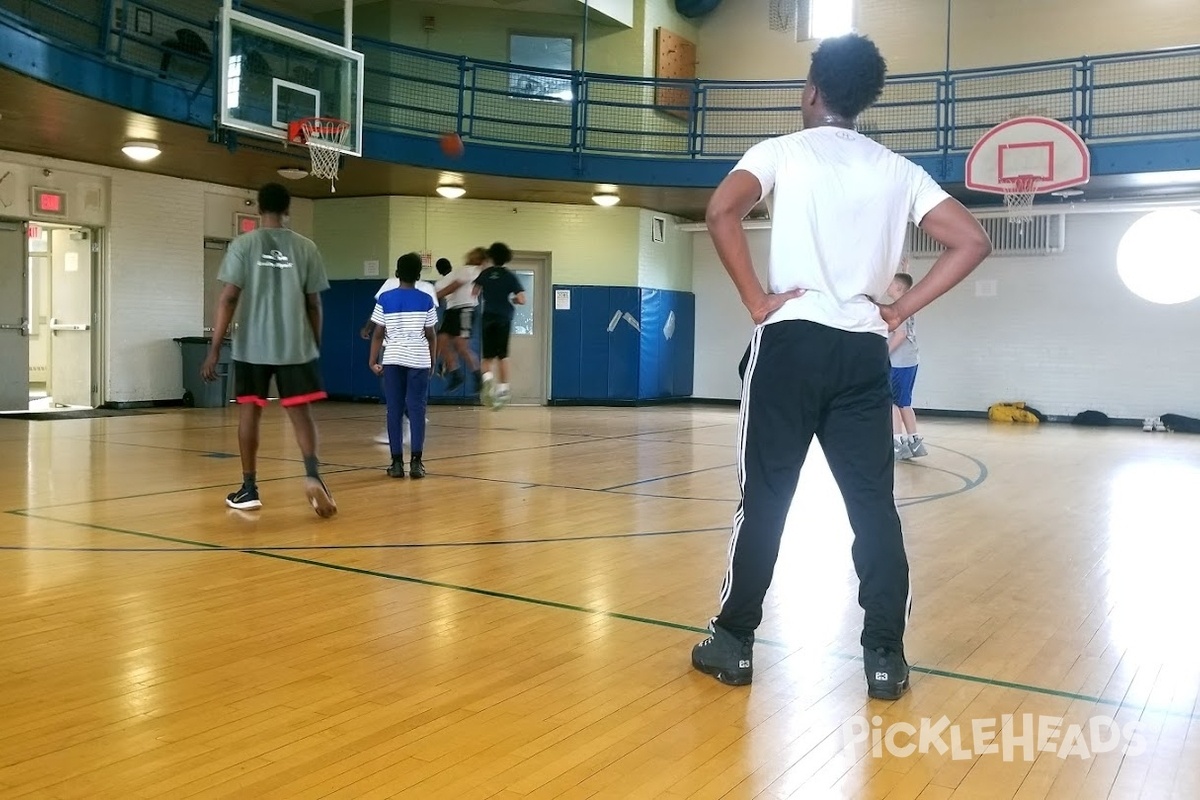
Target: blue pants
pixel 406 390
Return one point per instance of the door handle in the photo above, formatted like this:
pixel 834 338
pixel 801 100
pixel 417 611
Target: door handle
pixel 22 326
pixel 57 326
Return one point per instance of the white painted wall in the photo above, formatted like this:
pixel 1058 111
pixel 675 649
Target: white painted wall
pixel 736 42
pixel 590 245
pixel 619 11
pixel 666 264
pixel 723 327
pixel 1062 333
pixel 154 258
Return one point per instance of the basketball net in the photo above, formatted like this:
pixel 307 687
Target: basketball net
pixel 325 137
pixel 1018 197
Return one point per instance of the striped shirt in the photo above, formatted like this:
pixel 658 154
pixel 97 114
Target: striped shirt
pixel 394 283
pixel 404 315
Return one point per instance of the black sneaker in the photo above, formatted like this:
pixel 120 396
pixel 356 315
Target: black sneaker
pixel 887 673
pixel 728 658
pixel 396 470
pixel 416 469
pixel 454 381
pixel 244 499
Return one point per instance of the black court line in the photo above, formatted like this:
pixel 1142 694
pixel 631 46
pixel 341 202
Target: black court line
pixel 971 483
pixel 579 440
pixel 185 490
pixel 584 610
pixel 210 451
pixel 968 483
pixel 664 478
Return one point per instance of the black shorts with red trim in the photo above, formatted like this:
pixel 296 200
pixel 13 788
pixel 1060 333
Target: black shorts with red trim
pixel 297 383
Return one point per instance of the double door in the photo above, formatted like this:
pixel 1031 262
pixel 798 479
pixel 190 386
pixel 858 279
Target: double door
pixel 47 312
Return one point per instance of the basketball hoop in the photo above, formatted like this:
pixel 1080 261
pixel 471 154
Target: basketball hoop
pixel 1024 157
pixel 1019 192
pixel 326 138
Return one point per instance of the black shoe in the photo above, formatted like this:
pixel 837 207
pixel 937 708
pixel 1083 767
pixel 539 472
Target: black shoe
pixel 244 499
pixel 416 469
pixel 887 673
pixel 454 381
pixel 728 658
pixel 396 470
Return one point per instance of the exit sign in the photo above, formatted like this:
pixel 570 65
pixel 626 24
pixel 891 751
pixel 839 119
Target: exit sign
pixel 245 223
pixel 49 203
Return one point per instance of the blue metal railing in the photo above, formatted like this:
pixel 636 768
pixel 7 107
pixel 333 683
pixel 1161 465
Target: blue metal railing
pixel 1153 95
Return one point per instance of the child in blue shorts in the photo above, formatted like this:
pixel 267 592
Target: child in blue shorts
pixel 902 346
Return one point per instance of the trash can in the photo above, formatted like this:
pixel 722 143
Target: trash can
pixel 196 392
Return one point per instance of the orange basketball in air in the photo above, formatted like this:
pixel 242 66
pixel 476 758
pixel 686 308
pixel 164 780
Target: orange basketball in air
pixel 452 145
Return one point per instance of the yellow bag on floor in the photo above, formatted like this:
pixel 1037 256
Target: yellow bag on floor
pixel 1012 412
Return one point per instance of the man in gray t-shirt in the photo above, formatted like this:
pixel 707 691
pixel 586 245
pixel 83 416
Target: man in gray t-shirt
pixel 276 269
pixel 273 282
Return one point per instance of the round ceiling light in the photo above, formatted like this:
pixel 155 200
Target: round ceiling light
pixel 1158 259
pixel 606 199
pixel 292 173
pixel 141 151
pixel 451 192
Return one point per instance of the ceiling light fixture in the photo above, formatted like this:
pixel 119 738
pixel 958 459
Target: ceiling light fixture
pixel 292 173
pixel 451 192
pixel 606 199
pixel 141 151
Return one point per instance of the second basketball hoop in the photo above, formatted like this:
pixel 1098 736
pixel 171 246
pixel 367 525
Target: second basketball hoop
pixel 1025 157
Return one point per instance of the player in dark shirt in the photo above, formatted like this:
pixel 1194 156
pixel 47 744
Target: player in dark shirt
pixel 498 290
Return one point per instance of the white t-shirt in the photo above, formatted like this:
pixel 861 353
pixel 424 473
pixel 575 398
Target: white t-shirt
pixel 394 283
pixel 840 208
pixel 464 295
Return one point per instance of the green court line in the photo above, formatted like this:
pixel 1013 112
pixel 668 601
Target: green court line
pixel 1087 698
pixel 331 547
pixel 940 673
pixel 209 546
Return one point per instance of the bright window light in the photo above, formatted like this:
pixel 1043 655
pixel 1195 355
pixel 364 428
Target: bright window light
pixel 1158 258
pixel 827 18
pixel 233 82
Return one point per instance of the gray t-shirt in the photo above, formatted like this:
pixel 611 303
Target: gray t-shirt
pixel 276 269
pixel 906 355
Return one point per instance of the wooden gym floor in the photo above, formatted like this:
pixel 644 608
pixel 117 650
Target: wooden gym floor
pixel 519 624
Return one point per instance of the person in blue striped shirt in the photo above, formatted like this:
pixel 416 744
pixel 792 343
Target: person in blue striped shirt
pixel 405 320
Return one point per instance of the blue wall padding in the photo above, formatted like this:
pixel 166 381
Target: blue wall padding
pixel 623 343
pixel 683 362
pixel 593 348
pixel 667 344
pixel 347 305
pixel 634 360
pixel 656 306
